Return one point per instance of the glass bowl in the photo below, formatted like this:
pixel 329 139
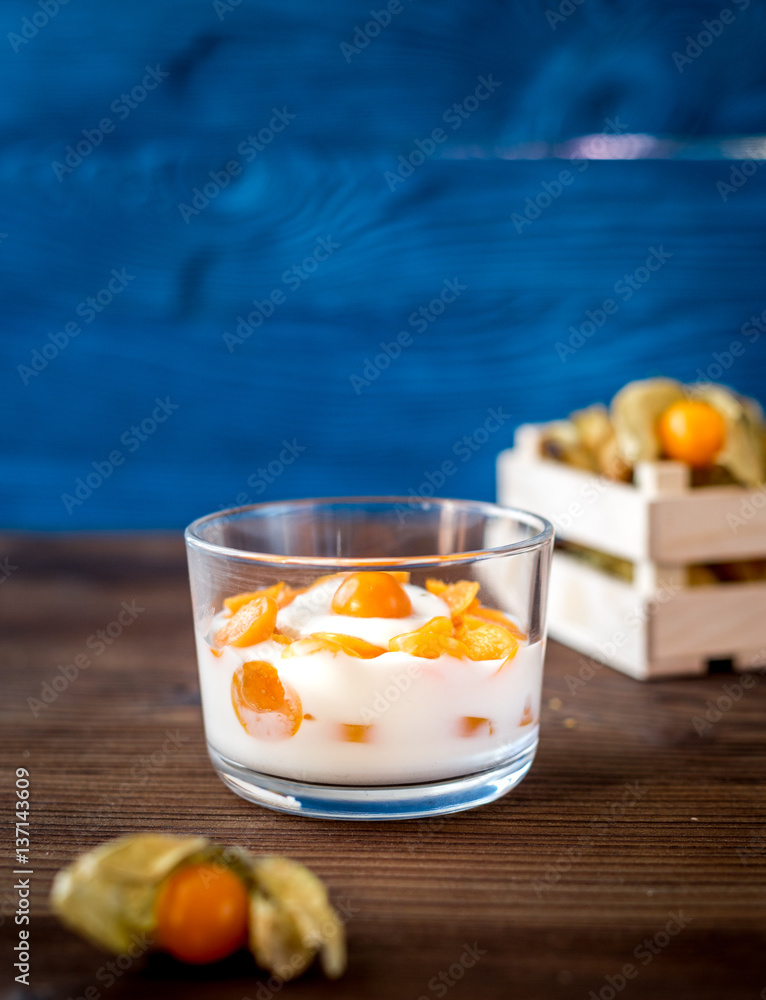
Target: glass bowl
pixel 370 658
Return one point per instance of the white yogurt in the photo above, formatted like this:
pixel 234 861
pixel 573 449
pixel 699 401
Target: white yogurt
pixel 418 719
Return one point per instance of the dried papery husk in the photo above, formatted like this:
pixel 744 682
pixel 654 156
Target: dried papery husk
pixel 290 904
pixel 561 440
pixel 610 462
pixel 635 410
pixel 109 895
pixel 593 426
pixel 743 452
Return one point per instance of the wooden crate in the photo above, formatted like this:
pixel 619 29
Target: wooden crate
pixel 655 625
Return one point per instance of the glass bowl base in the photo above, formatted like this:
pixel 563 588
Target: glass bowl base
pixel 375 802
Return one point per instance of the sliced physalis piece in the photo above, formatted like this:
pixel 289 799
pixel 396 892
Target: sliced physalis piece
pixel 283 640
pixel 482 614
pixel 350 644
pixel 279 592
pixel 202 913
pixel 457 596
pixel 288 595
pixel 489 642
pixel 352 733
pixel 371 595
pixel 309 646
pixel 266 708
pixel 527 717
pixel 233 604
pixel 473 725
pixel 254 622
pixel 332 642
pixel 429 641
pixel 508 661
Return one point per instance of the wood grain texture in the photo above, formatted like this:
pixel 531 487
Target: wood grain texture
pixel 556 885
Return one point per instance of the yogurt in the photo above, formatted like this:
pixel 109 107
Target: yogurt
pixel 394 718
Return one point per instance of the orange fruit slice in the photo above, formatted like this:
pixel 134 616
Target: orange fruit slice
pixel 288 595
pixel 238 601
pixel 266 708
pixel 350 644
pixel 478 612
pixel 332 642
pixel 527 718
pixel 430 641
pixel 472 725
pixel 355 733
pixel 457 595
pixel 254 622
pixel 309 646
pixel 371 595
pixel 278 592
pixel 489 642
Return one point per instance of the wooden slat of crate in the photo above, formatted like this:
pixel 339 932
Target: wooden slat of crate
pixel 715 621
pixel 583 507
pixel 613 622
pixel 709 525
pixel 588 609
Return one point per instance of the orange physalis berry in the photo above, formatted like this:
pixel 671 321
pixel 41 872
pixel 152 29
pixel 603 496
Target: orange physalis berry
pixel 430 641
pixel 371 595
pixel 264 706
pixel 253 623
pixel 457 595
pixel 691 431
pixel 355 733
pixel 489 642
pixel 202 913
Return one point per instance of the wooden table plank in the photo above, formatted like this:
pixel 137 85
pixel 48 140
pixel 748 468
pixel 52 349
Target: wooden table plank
pixel 555 886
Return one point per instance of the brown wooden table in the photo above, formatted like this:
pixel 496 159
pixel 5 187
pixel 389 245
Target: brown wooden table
pixel 634 840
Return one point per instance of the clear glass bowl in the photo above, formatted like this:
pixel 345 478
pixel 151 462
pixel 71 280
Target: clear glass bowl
pixel 439 723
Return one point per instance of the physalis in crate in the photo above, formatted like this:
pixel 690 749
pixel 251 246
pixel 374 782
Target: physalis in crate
pixel 720 435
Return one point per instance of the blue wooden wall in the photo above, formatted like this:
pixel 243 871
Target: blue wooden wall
pixel 290 119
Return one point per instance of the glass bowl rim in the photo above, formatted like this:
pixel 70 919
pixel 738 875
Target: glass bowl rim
pixel 543 536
